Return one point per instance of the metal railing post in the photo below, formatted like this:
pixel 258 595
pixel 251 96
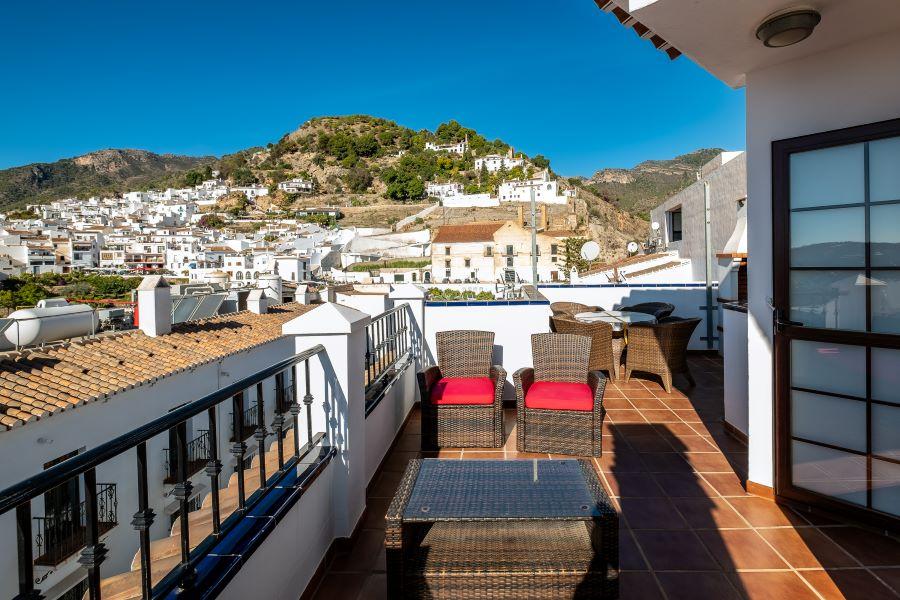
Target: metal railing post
pixel 260 435
pixel 238 447
pixel 25 554
pixel 94 552
pixel 182 492
pixel 143 519
pixel 213 468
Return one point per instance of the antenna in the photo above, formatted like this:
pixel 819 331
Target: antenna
pixel 654 226
pixel 632 247
pixel 590 250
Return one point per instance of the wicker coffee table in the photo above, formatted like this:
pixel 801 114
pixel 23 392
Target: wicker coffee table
pixel 501 529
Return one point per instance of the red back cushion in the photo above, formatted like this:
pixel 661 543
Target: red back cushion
pixel 463 390
pixel 559 395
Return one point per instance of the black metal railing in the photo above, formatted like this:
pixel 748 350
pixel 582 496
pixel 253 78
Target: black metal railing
pixel 248 424
pixel 18 497
pixel 61 532
pixel 388 345
pixel 197 458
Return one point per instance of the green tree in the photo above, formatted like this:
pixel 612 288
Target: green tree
pixel 366 145
pixel 211 221
pixel 30 293
pixel 573 255
pixel 243 176
pixel 358 179
pixel 541 162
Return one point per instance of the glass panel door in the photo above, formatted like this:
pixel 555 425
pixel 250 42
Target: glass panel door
pixel 837 333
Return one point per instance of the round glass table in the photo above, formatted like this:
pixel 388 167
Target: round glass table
pixel 619 319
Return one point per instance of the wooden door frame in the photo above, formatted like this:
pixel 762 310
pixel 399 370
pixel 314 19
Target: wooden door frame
pixel 781 152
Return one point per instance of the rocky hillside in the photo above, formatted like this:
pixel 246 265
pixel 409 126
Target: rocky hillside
pixel 104 171
pixel 643 187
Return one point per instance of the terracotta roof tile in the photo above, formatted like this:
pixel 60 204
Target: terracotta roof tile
pixel 470 232
pixel 38 383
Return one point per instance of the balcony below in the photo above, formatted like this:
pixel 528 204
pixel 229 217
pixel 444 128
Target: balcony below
pixel 688 527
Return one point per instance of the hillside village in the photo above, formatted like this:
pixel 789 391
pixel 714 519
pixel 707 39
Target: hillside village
pixel 330 198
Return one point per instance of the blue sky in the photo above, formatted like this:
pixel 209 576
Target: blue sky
pixel 554 77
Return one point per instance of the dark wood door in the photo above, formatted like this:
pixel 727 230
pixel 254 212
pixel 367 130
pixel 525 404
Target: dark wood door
pixel 836 226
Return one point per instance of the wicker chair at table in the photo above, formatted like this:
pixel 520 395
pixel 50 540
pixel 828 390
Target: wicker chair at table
pixel 559 402
pixel 571 308
pixel 603 358
pixel 660 310
pixel 660 349
pixel 462 396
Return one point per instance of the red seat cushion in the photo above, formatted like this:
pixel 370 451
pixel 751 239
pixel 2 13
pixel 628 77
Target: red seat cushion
pixel 559 395
pixel 463 390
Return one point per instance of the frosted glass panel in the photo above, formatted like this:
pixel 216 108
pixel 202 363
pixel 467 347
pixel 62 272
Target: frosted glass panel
pixel 886 487
pixel 828 238
pixel 886 301
pixel 829 420
pixel 886 375
pixel 884 230
pixel 829 299
pixel 830 472
pixel 886 430
pixel 828 176
pixel 826 367
pixel 884 169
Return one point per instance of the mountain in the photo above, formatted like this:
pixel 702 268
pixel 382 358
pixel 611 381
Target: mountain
pixel 645 186
pixel 93 173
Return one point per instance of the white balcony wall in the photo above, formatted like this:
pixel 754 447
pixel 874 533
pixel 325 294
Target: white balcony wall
pixel 736 373
pixel 384 422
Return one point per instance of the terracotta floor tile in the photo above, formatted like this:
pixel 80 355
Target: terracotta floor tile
pixel 398 460
pixel 616 403
pixel 665 462
pixel 871 549
pixel 374 588
pixel 660 415
pixel 482 455
pixel 854 584
pixel 708 513
pixel 625 416
pixel 684 485
pixel 524 455
pixel 673 428
pixel 772 585
pixel 634 485
pixel 340 586
pixel 740 549
pixel 630 558
pixel 652 442
pixel 764 513
pixel 709 462
pixel 638 585
pixel 386 484
pixel 727 484
pixel 675 551
pixel 648 404
pixel 376 508
pixel 688 416
pixel 807 548
pixel 409 442
pixel 691 443
pixel 622 462
pixel 891 578
pixel 651 513
pixel 691 586
pixel 364 554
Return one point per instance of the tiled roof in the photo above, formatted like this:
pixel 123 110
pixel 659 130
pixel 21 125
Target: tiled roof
pixel 631 260
pixel 38 383
pixel 470 232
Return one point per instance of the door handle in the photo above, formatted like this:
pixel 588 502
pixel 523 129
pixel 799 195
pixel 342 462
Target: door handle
pixel 781 321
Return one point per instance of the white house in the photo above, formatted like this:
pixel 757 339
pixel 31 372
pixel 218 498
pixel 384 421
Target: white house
pixel 457 148
pixel 442 190
pixel 494 162
pixel 823 317
pixel 297 185
pixel 546 191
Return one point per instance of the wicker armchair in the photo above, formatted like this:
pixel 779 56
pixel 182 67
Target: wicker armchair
pixel 660 310
pixel 571 308
pixel 602 356
pixel 660 348
pixel 462 397
pixel 559 402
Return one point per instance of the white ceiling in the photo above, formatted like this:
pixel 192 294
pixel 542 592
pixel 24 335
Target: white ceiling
pixel 720 35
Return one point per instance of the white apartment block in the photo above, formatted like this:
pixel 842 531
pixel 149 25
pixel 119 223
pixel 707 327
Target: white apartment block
pixel 546 191
pixel 443 190
pixel 457 148
pixel 494 162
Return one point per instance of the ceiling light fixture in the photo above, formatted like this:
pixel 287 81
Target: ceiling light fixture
pixel 788 28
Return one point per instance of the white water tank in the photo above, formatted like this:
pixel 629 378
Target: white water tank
pixel 271 284
pixel 220 277
pixel 39 325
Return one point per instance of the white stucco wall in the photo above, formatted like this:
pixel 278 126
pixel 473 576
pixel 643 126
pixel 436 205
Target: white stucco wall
pixel 852 85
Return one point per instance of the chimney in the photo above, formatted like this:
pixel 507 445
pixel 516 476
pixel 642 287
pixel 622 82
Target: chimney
pixel 154 304
pixel 258 302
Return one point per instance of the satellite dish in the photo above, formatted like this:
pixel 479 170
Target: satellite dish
pixel 654 226
pixel 590 250
pixel 632 247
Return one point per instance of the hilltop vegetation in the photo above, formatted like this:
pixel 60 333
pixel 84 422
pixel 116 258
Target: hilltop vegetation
pixel 645 186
